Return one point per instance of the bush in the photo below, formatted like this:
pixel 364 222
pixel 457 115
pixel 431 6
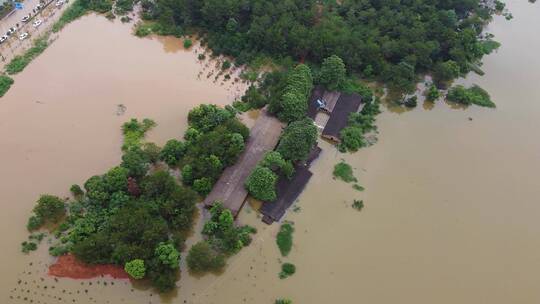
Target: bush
pixel 432 93
pixel 287 270
pixel 344 172
pixel 135 268
pixel 352 139
pixel 34 222
pixel 261 184
pixel 168 255
pixel 5 84
pixel 283 301
pixel 187 43
pixel 202 258
pixel 284 239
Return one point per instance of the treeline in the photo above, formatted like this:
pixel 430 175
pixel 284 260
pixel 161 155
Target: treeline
pixel 137 214
pixel 392 41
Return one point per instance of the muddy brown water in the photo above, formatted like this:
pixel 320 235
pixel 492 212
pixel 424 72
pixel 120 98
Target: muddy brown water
pixel 451 203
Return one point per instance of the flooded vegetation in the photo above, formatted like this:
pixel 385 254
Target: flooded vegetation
pixel 448 211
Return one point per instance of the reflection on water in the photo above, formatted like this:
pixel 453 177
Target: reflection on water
pixel 451 212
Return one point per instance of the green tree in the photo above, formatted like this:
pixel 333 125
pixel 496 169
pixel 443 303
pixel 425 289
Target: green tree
pixel 202 258
pixel 333 73
pixel 49 208
pixel 172 152
pixel 168 255
pixel 135 268
pixel 203 185
pixel 445 71
pixel 297 140
pixel 261 184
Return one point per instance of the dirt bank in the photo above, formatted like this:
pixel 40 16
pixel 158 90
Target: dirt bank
pixel 67 266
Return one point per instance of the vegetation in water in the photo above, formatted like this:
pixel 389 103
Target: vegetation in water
pixel 5 84
pixel 388 41
pixel 18 63
pixel 467 96
pixel 432 93
pixel 222 238
pixel 136 217
pixel 353 137
pixel 287 270
pixel 358 204
pixel 357 187
pixel 344 172
pixel 26 247
pixel 283 301
pixel 49 209
pixel 284 238
pixel 80 7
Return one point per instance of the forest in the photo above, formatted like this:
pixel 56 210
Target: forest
pixel 387 40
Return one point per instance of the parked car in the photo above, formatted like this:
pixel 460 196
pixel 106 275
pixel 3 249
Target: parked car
pixel 26 18
pixel 59 3
pixel 38 7
pixel 10 31
pixel 37 23
pixel 3 38
pixel 23 36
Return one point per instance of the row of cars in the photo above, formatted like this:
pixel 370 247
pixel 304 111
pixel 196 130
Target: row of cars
pixel 26 19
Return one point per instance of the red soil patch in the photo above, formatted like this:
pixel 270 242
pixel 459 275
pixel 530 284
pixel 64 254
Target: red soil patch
pixel 67 266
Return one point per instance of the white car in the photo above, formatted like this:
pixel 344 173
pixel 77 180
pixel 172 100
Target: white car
pixel 26 18
pixel 59 3
pixel 23 36
pixel 37 23
pixel 3 38
pixel 38 7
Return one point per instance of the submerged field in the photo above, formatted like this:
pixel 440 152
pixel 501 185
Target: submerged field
pixel 450 203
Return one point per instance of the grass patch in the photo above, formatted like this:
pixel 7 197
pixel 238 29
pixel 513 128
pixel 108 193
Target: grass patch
pixel 283 301
pixel 17 64
pixel 287 270
pixel 134 132
pixel 344 172
pixel 284 239
pixel 187 43
pixel 5 84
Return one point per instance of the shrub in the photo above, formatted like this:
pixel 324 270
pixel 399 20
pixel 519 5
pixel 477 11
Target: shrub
pixel 283 301
pixel 34 222
pixel 432 93
pixel 287 270
pixel 187 43
pixel 135 268
pixel 352 139
pixel 5 84
pixel 172 152
pixel 344 172
pixel 202 258
pixel 284 239
pixel 261 184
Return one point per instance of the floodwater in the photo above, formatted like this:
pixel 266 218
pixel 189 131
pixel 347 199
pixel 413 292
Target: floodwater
pixel 450 203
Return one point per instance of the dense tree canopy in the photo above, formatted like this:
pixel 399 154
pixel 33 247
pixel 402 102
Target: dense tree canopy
pixel 391 40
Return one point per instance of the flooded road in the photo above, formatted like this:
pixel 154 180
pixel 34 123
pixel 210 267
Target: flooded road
pixel 451 208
